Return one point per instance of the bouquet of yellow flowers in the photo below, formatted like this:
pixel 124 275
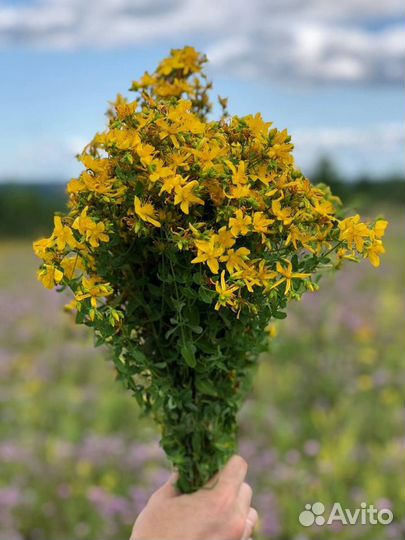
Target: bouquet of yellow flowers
pixel 184 237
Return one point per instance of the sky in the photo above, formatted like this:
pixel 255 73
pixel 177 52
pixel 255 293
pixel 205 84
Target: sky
pixel 329 71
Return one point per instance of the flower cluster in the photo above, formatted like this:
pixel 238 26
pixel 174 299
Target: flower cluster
pixel 191 216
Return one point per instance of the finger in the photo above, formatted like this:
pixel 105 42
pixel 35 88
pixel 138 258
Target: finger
pixel 253 516
pixel 251 521
pixel 245 497
pixel 168 489
pixel 233 474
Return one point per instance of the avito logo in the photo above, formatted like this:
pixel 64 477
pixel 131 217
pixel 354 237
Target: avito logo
pixel 366 514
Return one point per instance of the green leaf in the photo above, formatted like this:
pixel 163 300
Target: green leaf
pixel 206 387
pixel 139 356
pixel 192 314
pixel 170 332
pixel 196 329
pixel 188 292
pixel 160 365
pixel 188 353
pixel 154 290
pixel 279 315
pixel 206 347
pixel 205 295
pixel 98 340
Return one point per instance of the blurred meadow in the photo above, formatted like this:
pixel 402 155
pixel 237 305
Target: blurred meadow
pixel 324 421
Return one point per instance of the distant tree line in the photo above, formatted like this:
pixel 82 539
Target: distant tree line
pixel 363 189
pixel 26 210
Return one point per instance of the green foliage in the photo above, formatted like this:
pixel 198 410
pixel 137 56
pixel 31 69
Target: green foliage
pixel 195 401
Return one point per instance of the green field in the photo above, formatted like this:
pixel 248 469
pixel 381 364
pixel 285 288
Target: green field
pixel 324 422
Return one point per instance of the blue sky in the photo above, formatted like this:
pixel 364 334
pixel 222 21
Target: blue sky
pixel 333 77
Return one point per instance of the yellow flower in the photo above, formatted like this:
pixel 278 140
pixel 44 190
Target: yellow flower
pixel 100 184
pixel 296 235
pixel 185 196
pixel 172 182
pixel 239 175
pixel 75 186
pixel 175 89
pixel 160 171
pixel 99 166
pixel 209 252
pixel 41 248
pixel 145 81
pixel 374 251
pixel 288 275
pixel 248 275
pixel 281 149
pixel 352 231
pixel 240 192
pixel 284 214
pixel 170 130
pixel 191 123
pixel 215 190
pixel 145 153
pixel 83 222
pixel 70 306
pixel 324 208
pixel 263 273
pixel 226 293
pixel 225 238
pixel 91 288
pixel 123 139
pixel 240 223
pixel 146 212
pixel 49 276
pixel 179 159
pixel 62 235
pixel 379 227
pixel 261 223
pixel 180 111
pixel 257 125
pixel 235 259
pixel 70 265
pixel 186 59
pixel 96 234
pixel 343 253
pixel 207 152
pixel 265 177
pixel 123 107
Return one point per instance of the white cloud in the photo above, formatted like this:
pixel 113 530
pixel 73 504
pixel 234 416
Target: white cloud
pixel 42 159
pixel 375 150
pixel 291 40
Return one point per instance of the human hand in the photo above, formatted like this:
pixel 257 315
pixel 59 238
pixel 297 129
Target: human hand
pixel 219 511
